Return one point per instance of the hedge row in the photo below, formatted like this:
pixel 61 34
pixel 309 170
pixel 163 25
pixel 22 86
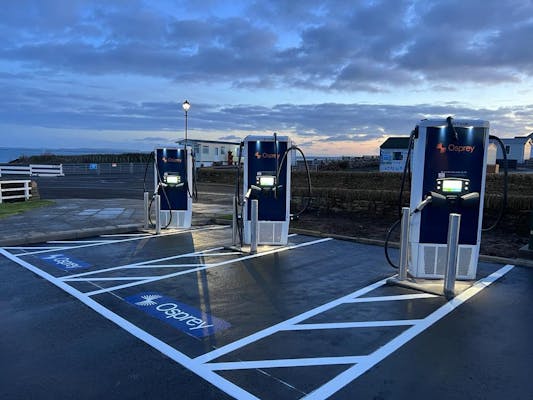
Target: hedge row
pixel 518 184
pixel 386 201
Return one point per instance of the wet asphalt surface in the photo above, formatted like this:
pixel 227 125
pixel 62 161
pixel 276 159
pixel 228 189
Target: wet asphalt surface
pixel 53 346
pixel 109 186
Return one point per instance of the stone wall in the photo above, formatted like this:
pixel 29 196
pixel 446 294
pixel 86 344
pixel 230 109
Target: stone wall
pixel 377 193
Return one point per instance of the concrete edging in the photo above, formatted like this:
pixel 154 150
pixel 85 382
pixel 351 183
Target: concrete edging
pixel 70 234
pixel 485 258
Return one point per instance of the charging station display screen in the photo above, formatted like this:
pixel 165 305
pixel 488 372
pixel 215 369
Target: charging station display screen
pixel 172 179
pixel 452 186
pixel 266 181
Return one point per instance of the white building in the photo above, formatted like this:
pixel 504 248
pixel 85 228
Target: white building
pixel 211 152
pixel 393 153
pixel 518 148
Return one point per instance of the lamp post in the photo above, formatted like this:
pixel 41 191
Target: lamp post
pixel 186 105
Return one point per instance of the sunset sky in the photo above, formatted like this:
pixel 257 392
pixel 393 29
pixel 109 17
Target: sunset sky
pixel 337 76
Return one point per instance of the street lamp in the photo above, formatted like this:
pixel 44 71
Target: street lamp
pixel 186 105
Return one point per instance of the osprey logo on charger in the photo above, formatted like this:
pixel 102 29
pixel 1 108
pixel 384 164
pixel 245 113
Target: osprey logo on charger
pixel 455 148
pixel 170 160
pixel 265 155
pixel 182 316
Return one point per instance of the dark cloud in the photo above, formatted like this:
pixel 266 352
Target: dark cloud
pixel 153 139
pixel 316 45
pixel 326 121
pixel 230 137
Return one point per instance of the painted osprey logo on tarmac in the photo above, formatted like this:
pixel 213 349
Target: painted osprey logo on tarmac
pixel 64 262
pixel 187 319
pixel 148 300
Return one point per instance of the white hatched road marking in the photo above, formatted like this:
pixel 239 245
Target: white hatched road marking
pixel 357 370
pixel 282 325
pixel 210 376
pixel 142 263
pixel 174 274
pixel 361 363
pixel 151 340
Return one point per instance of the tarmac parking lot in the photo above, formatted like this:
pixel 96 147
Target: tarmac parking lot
pixel 182 315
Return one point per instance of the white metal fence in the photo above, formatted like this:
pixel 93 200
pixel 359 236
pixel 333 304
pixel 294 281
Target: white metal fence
pixel 32 170
pixel 10 190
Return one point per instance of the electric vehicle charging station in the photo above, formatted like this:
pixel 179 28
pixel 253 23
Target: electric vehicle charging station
pixel 448 176
pixel 173 183
pixel 267 180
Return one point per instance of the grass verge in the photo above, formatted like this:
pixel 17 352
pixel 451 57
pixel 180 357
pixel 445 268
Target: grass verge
pixel 7 209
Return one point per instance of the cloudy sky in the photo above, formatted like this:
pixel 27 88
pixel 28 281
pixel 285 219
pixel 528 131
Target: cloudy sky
pixel 338 76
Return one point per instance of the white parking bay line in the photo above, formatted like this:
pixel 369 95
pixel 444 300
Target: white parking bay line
pixel 233 260
pixel 392 298
pixel 124 234
pixel 34 248
pixel 148 236
pixel 79 241
pixel 347 325
pixel 284 363
pixel 155 266
pixel 117 278
pixel 357 370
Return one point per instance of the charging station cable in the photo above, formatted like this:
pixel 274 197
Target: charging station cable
pixel 417 209
pixel 194 178
pixel 150 158
pixel 505 183
pixel 164 191
pixel 161 185
pixel 451 129
pixel 239 204
pixel 309 189
pixel 406 171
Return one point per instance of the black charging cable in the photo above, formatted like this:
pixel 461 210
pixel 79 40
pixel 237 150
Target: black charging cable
pixel 406 172
pixel 308 175
pixel 504 189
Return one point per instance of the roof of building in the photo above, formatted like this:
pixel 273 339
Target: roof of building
pixel 396 143
pixel 520 140
pixel 207 141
